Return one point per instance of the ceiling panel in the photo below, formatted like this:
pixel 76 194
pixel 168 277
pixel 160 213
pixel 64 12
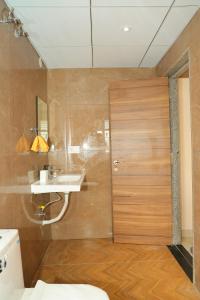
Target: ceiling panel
pixel 176 21
pixel 187 2
pixel 53 26
pixel 47 3
pixel 60 30
pixel 154 55
pixel 108 23
pixel 120 56
pixel 67 57
pixel 132 2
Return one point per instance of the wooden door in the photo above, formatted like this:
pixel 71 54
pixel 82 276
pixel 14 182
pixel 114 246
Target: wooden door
pixel 141 172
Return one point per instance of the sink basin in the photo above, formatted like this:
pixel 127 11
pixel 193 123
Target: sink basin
pixel 67 178
pixel 64 183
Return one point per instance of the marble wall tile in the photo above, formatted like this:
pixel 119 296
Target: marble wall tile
pixel 79 105
pixel 21 80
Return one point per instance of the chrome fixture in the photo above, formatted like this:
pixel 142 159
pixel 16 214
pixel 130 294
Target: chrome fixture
pixel 116 162
pixel 34 130
pixel 7 16
pixel 19 29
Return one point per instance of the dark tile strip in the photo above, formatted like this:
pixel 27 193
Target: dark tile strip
pixel 184 259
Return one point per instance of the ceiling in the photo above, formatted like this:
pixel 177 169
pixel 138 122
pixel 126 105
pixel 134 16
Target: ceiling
pixel 90 33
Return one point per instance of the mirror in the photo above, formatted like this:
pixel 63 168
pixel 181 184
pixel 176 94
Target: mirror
pixel 42 118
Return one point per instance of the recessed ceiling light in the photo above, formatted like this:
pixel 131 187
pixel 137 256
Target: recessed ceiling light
pixel 126 28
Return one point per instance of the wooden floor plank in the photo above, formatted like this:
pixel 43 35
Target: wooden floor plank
pixel 124 271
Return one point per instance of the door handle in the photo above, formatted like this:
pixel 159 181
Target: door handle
pixel 116 162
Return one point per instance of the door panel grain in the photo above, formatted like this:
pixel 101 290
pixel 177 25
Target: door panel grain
pixel 141 170
pixel 154 162
pixel 142 180
pixel 142 220
pixel 142 192
pixel 140 143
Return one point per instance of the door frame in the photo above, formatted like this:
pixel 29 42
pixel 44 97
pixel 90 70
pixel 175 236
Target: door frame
pixel 174 74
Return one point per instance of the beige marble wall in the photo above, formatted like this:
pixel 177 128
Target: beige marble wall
pixel 78 101
pixel 21 80
pixel 189 42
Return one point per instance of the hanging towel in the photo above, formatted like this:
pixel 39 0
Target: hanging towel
pixel 44 291
pixel 23 145
pixel 39 144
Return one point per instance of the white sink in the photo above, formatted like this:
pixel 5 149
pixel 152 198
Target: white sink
pixel 65 183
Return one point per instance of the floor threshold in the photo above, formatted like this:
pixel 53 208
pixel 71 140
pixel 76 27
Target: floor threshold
pixel 184 258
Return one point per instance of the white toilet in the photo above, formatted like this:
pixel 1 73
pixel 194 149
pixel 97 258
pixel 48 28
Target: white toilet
pixel 12 283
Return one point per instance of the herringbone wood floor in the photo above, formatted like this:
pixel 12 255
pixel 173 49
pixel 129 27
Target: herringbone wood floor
pixel 124 271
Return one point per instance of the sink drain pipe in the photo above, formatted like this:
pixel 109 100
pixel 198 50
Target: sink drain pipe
pixel 61 214
pixel 51 221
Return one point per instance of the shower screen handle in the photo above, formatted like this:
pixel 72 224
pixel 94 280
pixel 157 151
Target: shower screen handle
pixel 116 162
